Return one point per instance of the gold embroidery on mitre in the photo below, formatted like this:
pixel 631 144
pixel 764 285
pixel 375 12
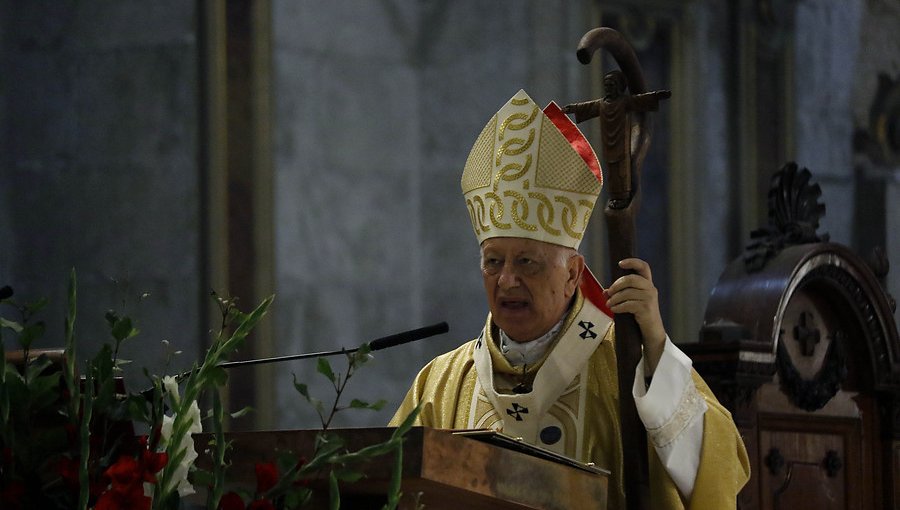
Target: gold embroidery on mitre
pixel 512 172
pixel 544 212
pixel 521 178
pixel 477 214
pixel 515 146
pixel 510 122
pixel 569 216
pixel 519 201
pixel 497 211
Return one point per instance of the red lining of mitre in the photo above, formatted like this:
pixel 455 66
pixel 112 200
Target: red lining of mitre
pixel 590 287
pixel 574 137
pixel 593 291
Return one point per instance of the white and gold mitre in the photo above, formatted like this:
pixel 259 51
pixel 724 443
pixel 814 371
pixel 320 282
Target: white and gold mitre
pixel 531 174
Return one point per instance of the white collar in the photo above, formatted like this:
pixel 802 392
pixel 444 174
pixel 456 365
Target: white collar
pixel 527 353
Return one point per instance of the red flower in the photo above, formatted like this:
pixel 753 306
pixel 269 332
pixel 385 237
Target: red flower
pixel 261 504
pixel 266 477
pixel 126 471
pixel 127 477
pixel 152 463
pixel 231 501
pixel 124 497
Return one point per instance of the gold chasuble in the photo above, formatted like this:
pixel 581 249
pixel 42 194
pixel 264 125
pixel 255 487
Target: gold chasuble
pixel 572 408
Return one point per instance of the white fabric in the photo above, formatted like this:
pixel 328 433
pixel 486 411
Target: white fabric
pixel 527 353
pixel 673 405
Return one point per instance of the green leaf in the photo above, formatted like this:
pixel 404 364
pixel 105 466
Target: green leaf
pixel 362 404
pixel 137 408
pixel 36 306
pixel 349 474
pixel 4 406
pixel 407 424
pixel 324 367
pixel 243 329
pixel 35 367
pixel 297 498
pixel 111 317
pixel 103 363
pixel 45 390
pixel 202 477
pixel 326 446
pixel 218 376
pixel 242 412
pixel 84 434
pixel 6 323
pixel 30 333
pixel 122 329
pixel 394 494
pixel 301 388
pixel 379 449
pixel 235 315
pixel 334 492
pixel 361 356
pixel 70 362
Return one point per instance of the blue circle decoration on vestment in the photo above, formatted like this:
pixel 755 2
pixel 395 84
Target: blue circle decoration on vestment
pixel 551 434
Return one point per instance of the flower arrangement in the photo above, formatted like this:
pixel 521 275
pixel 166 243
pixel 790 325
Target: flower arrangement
pixel 68 441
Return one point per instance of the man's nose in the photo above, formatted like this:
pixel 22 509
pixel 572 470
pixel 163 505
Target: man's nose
pixel 509 277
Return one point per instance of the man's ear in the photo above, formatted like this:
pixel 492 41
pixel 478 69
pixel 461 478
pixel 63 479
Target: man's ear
pixel 575 266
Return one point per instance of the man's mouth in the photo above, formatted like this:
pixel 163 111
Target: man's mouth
pixel 514 304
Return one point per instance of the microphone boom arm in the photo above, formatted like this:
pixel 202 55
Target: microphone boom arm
pixel 376 345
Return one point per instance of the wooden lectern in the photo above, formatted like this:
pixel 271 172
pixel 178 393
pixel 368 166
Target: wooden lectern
pixel 445 469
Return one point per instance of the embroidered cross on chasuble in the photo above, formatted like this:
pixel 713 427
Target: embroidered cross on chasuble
pixel 551 415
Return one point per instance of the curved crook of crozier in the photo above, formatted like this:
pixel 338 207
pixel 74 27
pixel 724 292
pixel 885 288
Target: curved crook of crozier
pixel 612 41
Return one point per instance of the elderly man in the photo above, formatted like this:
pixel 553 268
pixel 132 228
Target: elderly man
pixel 544 368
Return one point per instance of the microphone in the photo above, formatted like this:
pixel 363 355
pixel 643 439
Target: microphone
pixel 376 345
pixel 408 336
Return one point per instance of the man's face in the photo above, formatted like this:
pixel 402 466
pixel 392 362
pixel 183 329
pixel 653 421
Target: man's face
pixel 612 86
pixel 529 284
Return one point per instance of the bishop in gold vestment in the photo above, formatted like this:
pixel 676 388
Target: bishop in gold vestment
pixel 544 368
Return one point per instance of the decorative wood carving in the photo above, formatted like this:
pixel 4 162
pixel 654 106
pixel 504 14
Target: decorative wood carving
pixel 812 394
pixel 794 214
pixel 800 343
pixel 775 461
pixel 832 463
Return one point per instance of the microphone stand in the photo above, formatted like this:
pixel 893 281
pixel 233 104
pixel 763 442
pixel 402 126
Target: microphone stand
pixel 375 345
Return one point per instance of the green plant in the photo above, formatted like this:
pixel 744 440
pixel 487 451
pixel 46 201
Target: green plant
pixel 84 453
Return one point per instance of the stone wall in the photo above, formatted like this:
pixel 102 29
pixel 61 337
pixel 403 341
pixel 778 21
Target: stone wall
pixel 825 72
pixel 99 167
